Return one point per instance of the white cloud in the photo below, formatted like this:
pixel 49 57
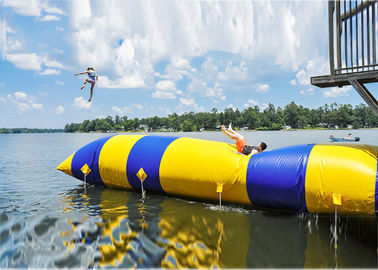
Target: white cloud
pixel 166 85
pixel 37 106
pixel 2 99
pixel 122 111
pixel 20 95
pixel 22 106
pixel 51 63
pixel 253 102
pixel 124 82
pixel 314 67
pixel 31 61
pixel 187 101
pixel 59 110
pixel 48 18
pixel 200 87
pixel 230 106
pixel 31 7
pixel 23 101
pixel 80 103
pixel 50 9
pixel 24 7
pixel 309 92
pixel 232 72
pixel 138 106
pixel 59 29
pixel 28 61
pixel 131 46
pixel 163 95
pixel 60 83
pixel 337 92
pixel 13 45
pixel 50 71
pixel 181 63
pixel 263 88
pixel 166 89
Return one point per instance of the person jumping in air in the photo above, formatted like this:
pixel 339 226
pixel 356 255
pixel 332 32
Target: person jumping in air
pixel 92 78
pixel 241 144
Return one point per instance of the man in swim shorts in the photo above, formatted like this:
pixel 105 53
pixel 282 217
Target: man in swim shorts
pixel 241 144
pixel 92 78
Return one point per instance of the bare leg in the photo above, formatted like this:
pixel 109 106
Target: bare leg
pixel 90 98
pixel 232 135
pixel 85 82
pixel 231 130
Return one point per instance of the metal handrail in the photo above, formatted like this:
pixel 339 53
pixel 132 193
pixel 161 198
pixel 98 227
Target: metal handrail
pixel 352 32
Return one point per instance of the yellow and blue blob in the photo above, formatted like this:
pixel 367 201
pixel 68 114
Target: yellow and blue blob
pixel 295 178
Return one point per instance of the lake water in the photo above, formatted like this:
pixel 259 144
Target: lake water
pixel 48 219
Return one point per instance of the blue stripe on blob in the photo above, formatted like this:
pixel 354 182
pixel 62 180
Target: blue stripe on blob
pixel 147 153
pixel 276 178
pixel 89 154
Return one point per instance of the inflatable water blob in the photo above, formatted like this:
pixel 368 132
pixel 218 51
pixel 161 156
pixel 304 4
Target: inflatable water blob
pixel 309 177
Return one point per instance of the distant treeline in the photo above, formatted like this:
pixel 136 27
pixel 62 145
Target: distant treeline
pixel 28 130
pixel 292 115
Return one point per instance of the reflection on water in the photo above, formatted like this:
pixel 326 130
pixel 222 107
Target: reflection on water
pixel 107 227
pixel 115 228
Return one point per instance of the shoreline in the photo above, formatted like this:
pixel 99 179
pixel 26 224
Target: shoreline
pixel 28 131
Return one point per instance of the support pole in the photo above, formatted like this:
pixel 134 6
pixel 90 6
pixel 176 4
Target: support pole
pixel 220 190
pixel 335 231
pixel 331 10
pixel 85 183
pixel 141 184
pixel 365 94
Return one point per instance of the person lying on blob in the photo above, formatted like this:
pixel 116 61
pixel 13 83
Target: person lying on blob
pixel 92 78
pixel 241 144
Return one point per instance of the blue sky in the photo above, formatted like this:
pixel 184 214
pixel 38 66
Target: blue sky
pixel 159 57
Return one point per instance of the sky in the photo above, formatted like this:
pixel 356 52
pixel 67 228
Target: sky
pixel 159 57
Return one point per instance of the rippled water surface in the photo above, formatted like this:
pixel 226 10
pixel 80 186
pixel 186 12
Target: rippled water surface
pixel 49 219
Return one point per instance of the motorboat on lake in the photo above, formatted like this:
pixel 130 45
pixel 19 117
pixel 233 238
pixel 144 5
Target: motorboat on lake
pixel 344 139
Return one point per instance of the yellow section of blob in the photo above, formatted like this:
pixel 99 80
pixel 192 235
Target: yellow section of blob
pixel 65 166
pixel 349 172
pixel 113 160
pixel 193 167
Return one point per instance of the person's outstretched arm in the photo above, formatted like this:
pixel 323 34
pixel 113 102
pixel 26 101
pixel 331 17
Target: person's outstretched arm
pixel 81 73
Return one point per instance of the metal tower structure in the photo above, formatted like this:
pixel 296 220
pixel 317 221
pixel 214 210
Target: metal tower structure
pixel 352 47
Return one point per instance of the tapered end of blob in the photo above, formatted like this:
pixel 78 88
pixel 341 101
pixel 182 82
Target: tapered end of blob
pixel 65 166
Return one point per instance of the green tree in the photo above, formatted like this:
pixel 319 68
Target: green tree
pixel 291 114
pixel 187 125
pixel 174 122
pixel 251 117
